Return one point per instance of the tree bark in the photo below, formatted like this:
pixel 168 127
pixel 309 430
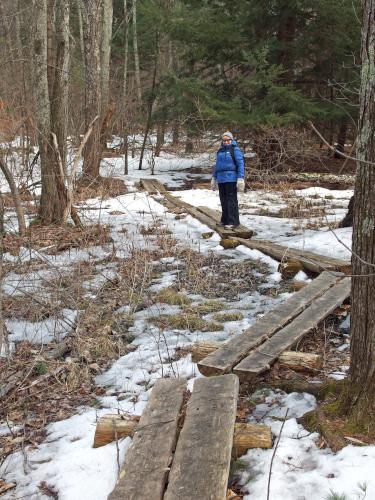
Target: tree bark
pixel 92 11
pixel 105 58
pixel 359 398
pixel 125 87
pixel 150 102
pixel 136 54
pixel 52 201
pixel 60 93
pixel 341 137
pixel 347 221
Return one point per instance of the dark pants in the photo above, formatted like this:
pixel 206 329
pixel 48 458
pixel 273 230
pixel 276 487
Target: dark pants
pixel 229 203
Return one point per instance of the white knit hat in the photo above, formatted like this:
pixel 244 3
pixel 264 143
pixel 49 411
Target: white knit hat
pixel 227 134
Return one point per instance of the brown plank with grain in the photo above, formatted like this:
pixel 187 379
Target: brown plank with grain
pixel 224 359
pixel 147 461
pixel 261 359
pixel 200 467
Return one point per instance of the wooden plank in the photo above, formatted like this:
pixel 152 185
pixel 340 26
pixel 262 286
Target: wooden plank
pixel 310 261
pixel 261 359
pixel 200 467
pixel 225 358
pixel 194 212
pixel 147 461
pixel 158 185
pixel 240 231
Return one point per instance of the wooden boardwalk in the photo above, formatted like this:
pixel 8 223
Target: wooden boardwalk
pixel 310 261
pixel 180 455
pixel 253 351
pixel 182 448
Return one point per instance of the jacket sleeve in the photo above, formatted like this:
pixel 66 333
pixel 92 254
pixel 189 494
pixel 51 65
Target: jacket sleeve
pixel 214 168
pixel 240 163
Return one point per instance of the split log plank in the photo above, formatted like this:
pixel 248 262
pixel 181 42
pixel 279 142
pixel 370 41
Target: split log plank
pixel 224 359
pixel 310 261
pixel 261 359
pixel 200 467
pixel 240 231
pixel 246 436
pixel 147 461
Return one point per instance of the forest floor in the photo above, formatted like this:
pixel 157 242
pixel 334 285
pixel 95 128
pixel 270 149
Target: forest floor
pixel 124 300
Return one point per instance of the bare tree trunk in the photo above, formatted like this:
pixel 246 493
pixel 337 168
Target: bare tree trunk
pixel 16 197
pixel 80 27
pixel 52 201
pixel 341 137
pixel 50 45
pixel 160 137
pixel 125 87
pixel 3 339
pixel 150 103
pixel 360 397
pixel 92 30
pixel 136 55
pixel 175 133
pixel 105 52
pixel 60 93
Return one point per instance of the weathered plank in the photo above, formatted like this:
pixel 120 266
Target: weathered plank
pixel 240 231
pixel 230 354
pixel 200 467
pixel 147 461
pixel 261 359
pixel 194 212
pixel 152 186
pixel 310 261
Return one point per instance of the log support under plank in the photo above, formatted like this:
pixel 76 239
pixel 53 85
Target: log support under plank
pixel 246 436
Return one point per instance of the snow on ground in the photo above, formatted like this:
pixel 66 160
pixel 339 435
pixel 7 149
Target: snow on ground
pixel 301 470
pixel 66 460
pixel 287 231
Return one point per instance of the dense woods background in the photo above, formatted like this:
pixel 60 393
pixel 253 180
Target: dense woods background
pixel 176 66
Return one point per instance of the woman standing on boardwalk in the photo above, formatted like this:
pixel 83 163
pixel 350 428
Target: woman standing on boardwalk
pixel 229 175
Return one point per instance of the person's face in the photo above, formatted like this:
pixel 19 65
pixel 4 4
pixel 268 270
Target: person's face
pixel 227 141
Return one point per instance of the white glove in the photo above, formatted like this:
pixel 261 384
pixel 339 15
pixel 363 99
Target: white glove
pixel 213 184
pixel 241 185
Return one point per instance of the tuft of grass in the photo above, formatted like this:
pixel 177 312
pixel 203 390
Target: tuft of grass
pixel 171 297
pixel 41 368
pixel 223 317
pixel 208 306
pixel 186 321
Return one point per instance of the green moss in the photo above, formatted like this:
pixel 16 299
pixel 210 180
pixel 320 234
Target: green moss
pixel 223 317
pixel 171 297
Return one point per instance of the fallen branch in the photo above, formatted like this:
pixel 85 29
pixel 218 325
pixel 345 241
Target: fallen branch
pixel 336 150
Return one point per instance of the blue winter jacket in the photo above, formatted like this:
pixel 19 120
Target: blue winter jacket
pixel 225 169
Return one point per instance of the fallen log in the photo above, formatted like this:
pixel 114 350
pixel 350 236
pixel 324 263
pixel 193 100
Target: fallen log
pixel 246 436
pixel 298 361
